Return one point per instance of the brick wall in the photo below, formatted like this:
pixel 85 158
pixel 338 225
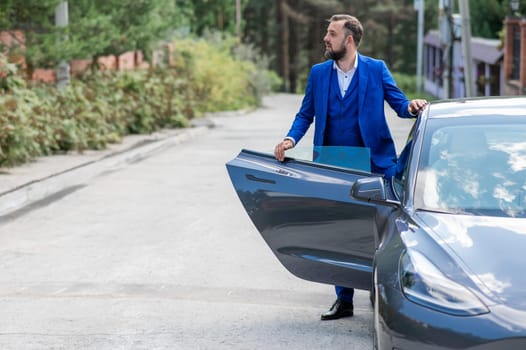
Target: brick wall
pixel 44 75
pixel 523 56
pixel 513 86
pixel 14 43
pixel 126 61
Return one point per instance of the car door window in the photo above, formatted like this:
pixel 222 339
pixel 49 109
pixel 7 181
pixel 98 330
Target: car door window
pixel 357 158
pixel 402 165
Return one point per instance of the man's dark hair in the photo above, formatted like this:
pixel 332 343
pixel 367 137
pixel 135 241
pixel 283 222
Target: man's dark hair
pixel 352 27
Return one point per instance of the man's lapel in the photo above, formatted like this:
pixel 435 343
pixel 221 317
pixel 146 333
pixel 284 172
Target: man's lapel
pixel 325 81
pixel 362 82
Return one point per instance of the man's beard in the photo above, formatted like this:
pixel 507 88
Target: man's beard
pixel 336 55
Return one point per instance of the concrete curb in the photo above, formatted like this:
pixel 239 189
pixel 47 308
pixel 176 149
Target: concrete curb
pixel 40 188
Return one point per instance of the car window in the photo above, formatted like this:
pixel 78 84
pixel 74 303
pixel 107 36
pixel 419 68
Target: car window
pixel 358 158
pixel 473 168
pixel 402 164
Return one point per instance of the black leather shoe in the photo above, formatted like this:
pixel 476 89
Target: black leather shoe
pixel 338 310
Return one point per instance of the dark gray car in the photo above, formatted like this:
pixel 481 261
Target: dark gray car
pixel 441 246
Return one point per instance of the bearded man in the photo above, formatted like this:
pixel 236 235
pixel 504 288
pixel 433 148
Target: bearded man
pixel 345 98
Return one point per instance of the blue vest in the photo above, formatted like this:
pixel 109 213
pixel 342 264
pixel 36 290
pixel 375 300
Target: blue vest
pixel 342 128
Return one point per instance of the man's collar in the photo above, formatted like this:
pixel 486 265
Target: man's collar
pixel 335 66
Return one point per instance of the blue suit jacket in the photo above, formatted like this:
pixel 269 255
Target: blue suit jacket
pixel 375 85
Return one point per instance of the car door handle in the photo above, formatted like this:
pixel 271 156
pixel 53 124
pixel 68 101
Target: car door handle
pixel 259 179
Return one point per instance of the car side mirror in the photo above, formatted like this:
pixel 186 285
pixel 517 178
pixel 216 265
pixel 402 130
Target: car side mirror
pixel 372 190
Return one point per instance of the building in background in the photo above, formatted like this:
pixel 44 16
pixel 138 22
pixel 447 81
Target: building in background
pixel 488 63
pixel 515 55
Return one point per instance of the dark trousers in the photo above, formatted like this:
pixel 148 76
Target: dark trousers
pixel 344 293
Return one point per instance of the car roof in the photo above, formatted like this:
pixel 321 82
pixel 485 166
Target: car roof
pixel 478 107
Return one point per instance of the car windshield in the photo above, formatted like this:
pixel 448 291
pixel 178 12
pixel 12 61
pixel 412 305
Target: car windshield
pixel 474 167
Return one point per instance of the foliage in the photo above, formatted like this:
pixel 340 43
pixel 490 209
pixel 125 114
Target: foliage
pixel 221 80
pixel 262 79
pixel 215 72
pixel 87 114
pixel 407 83
pixel 152 100
pixel 210 15
pixel 291 34
pixel 96 27
pixel 288 33
pixel 99 108
pixel 34 18
pixel 487 17
pixel 17 137
pixel 133 24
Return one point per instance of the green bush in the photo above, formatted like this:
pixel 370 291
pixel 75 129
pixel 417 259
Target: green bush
pixel 223 74
pixel 153 100
pixel 19 133
pixel 87 114
pixel 262 80
pixel 101 107
pixel 407 83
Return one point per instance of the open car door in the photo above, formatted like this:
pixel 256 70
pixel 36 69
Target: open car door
pixel 306 215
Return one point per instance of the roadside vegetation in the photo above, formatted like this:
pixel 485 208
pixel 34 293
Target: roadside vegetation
pixel 99 108
pixel 214 67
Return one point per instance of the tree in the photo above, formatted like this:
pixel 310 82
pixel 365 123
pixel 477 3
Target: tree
pixel 260 28
pixel 289 32
pixel 113 27
pixel 214 15
pixel 96 27
pixel 35 18
pixel 487 17
pixel 301 25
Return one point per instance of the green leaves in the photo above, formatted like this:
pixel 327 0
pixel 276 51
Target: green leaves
pixel 88 114
pixel 210 76
pixel 96 27
pixel 221 76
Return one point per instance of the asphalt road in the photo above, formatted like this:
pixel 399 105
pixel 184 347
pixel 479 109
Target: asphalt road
pixel 159 254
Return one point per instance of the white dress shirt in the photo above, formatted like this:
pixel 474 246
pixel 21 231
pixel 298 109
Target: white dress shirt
pixel 344 78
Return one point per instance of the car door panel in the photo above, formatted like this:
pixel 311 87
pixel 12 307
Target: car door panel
pixel 306 215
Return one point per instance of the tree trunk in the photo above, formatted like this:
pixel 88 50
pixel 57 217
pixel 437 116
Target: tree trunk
pixel 390 40
pixel 314 40
pixel 293 55
pixel 282 43
pixel 264 15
